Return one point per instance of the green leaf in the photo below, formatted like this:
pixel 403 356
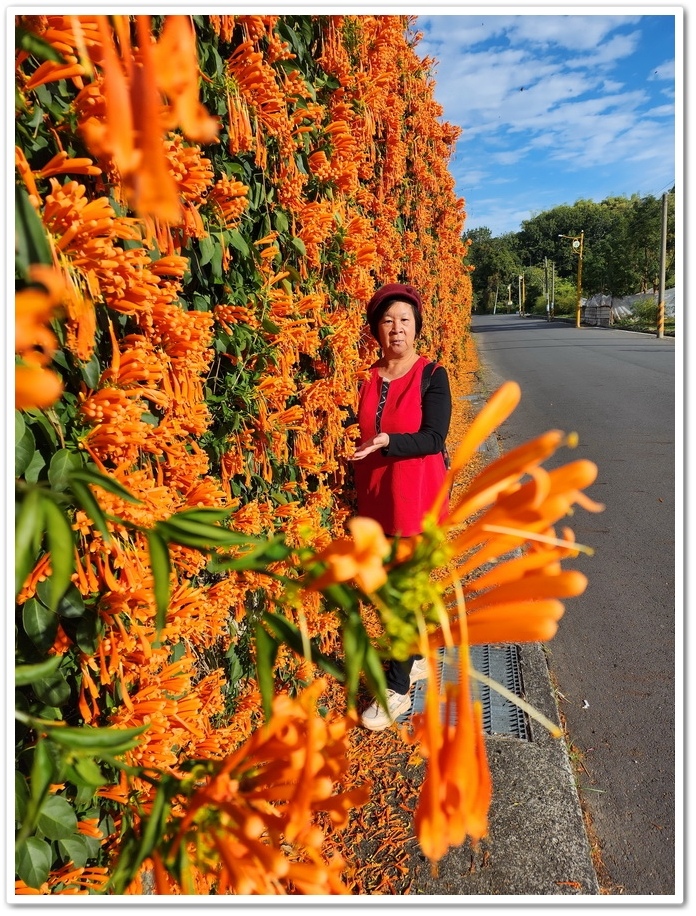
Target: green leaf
pixel 20 425
pixel 28 535
pixel 31 244
pixel 216 262
pixel 110 484
pixel 207 249
pixel 61 546
pixel 53 690
pixel 86 500
pixel 238 241
pixel 27 674
pixel 43 774
pixel 160 564
pixel 156 824
pixel 182 529
pixel 75 849
pixel 21 796
pixel 290 634
pixel 56 819
pixel 85 633
pixel 36 46
pixel 91 372
pixel 96 741
pixel 84 771
pixel 40 624
pixel 72 604
pixel 298 245
pixel 270 326
pixel 38 418
pixel 25 446
pixel 34 468
pixel 360 655
pixel 63 463
pixel 281 221
pixel 266 652
pixel 210 516
pixel 374 673
pixel 33 860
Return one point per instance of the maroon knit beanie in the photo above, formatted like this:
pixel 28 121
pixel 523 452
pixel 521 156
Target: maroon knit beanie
pixel 392 291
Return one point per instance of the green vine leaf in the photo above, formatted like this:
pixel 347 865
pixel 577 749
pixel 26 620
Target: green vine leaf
pixel 161 566
pixel 57 819
pixel 31 244
pixel 61 546
pixel 33 858
pixel 36 46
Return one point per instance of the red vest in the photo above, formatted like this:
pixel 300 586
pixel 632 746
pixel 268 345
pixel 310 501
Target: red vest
pixel 397 492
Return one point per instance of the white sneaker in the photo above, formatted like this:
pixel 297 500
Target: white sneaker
pixel 376 718
pixel 419 671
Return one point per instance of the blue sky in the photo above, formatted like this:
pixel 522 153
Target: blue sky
pixel 556 106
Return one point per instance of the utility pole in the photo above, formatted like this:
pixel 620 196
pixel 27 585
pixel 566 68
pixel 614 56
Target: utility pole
pixel 546 289
pixel 553 288
pixel 663 264
pixel 577 241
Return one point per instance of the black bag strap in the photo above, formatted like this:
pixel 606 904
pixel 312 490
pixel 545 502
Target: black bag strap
pixel 428 370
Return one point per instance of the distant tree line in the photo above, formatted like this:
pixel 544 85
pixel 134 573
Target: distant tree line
pixel 621 255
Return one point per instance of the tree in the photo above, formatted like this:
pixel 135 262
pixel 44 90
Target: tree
pixel 622 243
pixel 495 263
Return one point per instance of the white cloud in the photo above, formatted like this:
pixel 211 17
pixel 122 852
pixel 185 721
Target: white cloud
pixel 663 71
pixel 553 108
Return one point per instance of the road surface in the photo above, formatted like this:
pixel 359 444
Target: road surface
pixel 613 658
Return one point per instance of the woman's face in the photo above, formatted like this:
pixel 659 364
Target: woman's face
pixel 397 330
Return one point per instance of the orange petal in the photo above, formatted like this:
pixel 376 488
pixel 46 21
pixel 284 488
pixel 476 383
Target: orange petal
pixel 176 66
pixel 534 587
pixel 497 409
pixel 36 387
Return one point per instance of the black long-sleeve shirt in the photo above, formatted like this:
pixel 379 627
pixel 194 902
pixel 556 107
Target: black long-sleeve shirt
pixel 437 413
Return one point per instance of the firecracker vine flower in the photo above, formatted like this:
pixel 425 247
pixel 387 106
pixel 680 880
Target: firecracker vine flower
pixel 254 815
pixel 359 557
pixel 35 343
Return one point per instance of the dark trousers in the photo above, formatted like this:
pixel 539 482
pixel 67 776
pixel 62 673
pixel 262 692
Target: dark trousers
pixel 398 674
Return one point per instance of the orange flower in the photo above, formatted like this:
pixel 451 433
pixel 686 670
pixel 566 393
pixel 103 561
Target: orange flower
pixel 255 815
pixel 176 67
pixel 360 557
pixel 456 792
pixel 36 387
pixel 62 163
pixel 35 342
pixel 152 183
pixel 518 599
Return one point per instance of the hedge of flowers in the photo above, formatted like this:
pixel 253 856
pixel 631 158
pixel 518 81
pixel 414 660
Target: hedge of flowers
pixel 204 206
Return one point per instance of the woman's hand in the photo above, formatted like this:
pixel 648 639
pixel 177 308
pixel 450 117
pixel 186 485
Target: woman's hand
pixel 381 440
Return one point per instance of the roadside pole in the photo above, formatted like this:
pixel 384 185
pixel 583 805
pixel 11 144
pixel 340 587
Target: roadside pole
pixel 663 259
pixel 577 243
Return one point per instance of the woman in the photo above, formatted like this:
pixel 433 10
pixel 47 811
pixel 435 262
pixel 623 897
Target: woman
pixel 404 419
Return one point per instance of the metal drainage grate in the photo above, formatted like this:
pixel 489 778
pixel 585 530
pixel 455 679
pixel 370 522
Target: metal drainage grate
pixel 501 663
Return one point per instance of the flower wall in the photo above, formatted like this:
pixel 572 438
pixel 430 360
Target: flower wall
pixel 205 205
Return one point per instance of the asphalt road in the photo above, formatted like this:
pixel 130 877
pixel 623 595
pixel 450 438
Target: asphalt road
pixel 613 658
